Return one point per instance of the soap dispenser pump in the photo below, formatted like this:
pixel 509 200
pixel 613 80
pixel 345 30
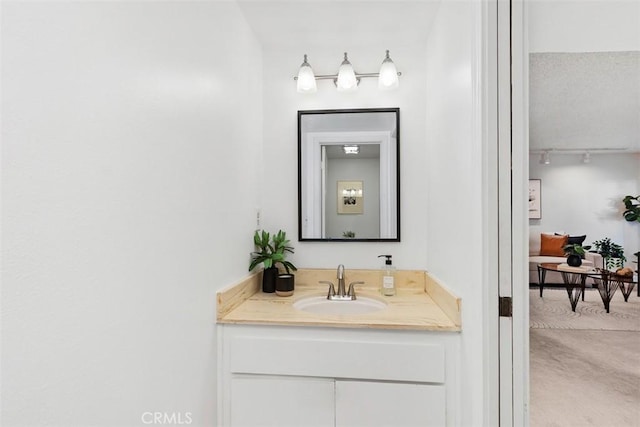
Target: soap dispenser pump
pixel 388 285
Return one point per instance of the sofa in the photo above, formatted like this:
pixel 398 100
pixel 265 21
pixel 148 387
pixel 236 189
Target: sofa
pixel 591 259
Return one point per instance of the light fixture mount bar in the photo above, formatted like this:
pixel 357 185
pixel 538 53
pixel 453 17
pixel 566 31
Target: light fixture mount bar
pixel 335 76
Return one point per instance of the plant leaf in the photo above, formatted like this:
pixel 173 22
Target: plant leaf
pixel 631 215
pixel 289 266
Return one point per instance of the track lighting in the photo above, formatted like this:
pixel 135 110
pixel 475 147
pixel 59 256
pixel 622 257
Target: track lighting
pixel 545 158
pixel 347 79
pixel 584 153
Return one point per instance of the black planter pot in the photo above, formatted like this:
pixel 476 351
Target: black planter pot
pixel 574 260
pixel 269 278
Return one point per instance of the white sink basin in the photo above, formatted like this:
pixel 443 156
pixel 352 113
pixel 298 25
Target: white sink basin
pixel 321 305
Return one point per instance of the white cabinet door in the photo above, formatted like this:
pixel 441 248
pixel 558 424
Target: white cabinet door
pixel 374 404
pixel 281 401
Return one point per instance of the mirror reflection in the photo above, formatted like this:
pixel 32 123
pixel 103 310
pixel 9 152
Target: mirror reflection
pixel 348 175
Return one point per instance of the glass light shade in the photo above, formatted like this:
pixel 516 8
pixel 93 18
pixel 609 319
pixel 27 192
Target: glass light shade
pixel 306 78
pixel 388 76
pixel 346 76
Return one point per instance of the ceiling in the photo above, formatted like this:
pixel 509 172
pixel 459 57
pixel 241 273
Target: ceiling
pixel 577 100
pixel 339 23
pixel 584 100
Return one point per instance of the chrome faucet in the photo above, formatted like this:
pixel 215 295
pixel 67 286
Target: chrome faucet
pixel 341 291
pixel 341 294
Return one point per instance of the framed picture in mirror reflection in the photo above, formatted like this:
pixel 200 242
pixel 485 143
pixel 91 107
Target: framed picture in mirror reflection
pixel 350 197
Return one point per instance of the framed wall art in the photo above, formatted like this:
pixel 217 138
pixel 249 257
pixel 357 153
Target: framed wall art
pixel 350 197
pixel 535 199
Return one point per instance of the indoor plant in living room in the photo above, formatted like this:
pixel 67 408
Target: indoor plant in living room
pixel 575 252
pixel 612 253
pixel 631 208
pixel 272 250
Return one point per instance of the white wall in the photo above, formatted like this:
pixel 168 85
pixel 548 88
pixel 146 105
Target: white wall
pixel 580 198
pixel 130 178
pixel 131 152
pixel 583 26
pixel 453 179
pixel 281 102
pixel 595 207
pixel 366 224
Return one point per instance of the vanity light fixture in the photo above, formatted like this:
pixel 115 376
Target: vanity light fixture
pixel 351 149
pixel 347 79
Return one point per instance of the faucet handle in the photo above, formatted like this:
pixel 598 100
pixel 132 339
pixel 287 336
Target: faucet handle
pixel 352 289
pixel 332 289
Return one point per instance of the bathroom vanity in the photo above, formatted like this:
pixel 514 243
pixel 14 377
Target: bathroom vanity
pixel 281 366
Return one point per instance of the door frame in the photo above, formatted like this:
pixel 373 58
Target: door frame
pixel 505 130
pixel 520 214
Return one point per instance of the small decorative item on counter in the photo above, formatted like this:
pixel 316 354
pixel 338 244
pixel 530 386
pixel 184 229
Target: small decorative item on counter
pixel 349 234
pixel 272 251
pixel 388 285
pixel 285 285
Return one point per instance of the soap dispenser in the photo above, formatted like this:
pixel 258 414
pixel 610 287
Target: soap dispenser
pixel 388 284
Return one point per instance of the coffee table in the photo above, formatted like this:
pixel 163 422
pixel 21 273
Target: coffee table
pixel 574 280
pixel 608 283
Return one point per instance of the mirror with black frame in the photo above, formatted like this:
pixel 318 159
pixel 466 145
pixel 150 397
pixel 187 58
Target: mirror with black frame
pixel 349 175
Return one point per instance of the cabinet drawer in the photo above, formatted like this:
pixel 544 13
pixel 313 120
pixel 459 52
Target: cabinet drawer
pixel 257 401
pixel 414 362
pixel 373 404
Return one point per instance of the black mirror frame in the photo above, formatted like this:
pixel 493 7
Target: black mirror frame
pixel 302 113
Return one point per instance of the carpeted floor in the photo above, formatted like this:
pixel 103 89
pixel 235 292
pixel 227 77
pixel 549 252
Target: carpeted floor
pixel 553 311
pixel 584 366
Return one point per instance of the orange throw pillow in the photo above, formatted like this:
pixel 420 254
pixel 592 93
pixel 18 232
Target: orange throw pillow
pixel 551 245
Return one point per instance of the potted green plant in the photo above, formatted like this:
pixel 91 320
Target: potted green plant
pixel 272 250
pixel 612 253
pixel 575 253
pixel 632 208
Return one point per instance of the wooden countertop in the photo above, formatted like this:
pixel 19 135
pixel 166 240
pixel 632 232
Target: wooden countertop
pixel 420 303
